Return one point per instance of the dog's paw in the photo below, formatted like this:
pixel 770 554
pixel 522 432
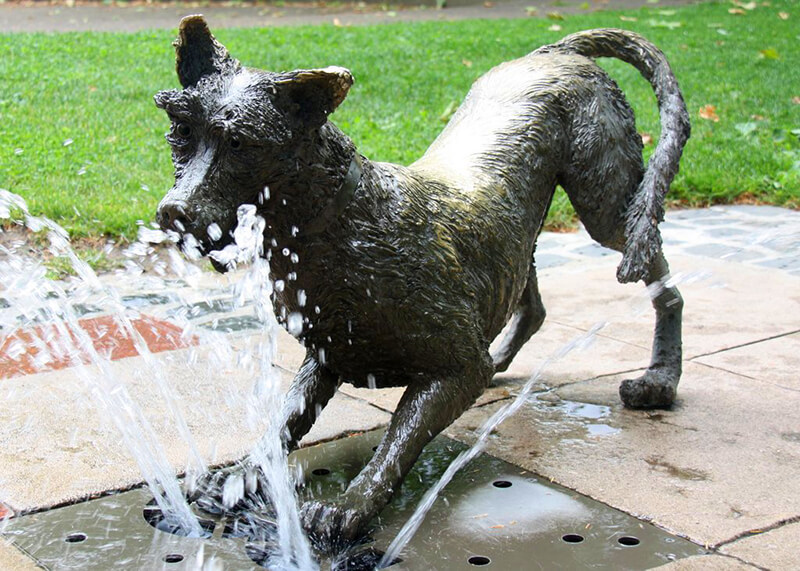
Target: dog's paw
pixel 655 389
pixel 236 488
pixel 331 528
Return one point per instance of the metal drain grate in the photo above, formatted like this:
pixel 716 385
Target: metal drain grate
pixel 493 514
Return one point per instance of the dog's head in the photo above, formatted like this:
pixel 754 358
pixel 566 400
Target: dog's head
pixel 234 131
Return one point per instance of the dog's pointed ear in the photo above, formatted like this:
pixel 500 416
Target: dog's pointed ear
pixel 198 53
pixel 310 95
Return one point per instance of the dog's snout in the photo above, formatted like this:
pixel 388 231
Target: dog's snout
pixel 172 216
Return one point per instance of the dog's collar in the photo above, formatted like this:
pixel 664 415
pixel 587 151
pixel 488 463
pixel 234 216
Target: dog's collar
pixel 339 201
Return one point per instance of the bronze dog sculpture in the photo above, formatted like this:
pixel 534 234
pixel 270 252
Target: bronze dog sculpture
pixel 405 275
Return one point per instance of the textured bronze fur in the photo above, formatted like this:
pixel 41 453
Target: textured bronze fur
pixel 415 270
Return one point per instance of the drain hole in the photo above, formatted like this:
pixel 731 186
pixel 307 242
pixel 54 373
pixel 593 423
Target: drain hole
pixel 501 484
pixel 75 538
pixel 320 471
pixel 628 540
pixel 173 558
pixel 572 538
pixel 479 560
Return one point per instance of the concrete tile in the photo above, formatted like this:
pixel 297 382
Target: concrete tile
pixel 716 465
pixel 590 358
pixel 776 549
pixel 706 563
pixel 12 559
pixel 384 399
pixel 290 352
pixel 601 356
pixel 56 446
pixel 774 361
pixel 736 304
pixel 387 399
pixel 345 415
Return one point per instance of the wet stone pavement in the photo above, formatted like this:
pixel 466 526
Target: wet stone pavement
pixel 719 468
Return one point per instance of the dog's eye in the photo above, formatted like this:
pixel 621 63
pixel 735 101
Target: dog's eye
pixel 235 143
pixel 183 130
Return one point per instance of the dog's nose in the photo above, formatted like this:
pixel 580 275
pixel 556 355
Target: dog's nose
pixel 172 216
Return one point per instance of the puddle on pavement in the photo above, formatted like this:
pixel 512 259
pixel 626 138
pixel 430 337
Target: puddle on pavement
pixel 581 414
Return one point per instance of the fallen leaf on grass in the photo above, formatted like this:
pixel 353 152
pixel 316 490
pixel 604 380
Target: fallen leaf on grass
pixel 783 15
pixel 628 19
pixel 555 28
pixel 669 24
pixel 737 11
pixel 746 128
pixel 746 5
pixel 466 63
pixel 796 99
pixel 757 117
pixel 448 111
pixel 769 53
pixel 709 113
pixel 647 139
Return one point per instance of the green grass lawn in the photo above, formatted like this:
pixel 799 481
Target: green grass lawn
pixel 81 140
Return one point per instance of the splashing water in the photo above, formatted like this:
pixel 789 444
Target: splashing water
pixel 294 550
pixel 25 285
pixel 31 298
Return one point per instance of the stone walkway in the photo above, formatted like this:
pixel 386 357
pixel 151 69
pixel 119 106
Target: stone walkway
pixel 719 468
pixel 96 16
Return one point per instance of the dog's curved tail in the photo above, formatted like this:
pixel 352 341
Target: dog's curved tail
pixel 646 208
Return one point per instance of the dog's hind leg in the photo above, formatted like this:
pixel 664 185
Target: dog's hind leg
pixel 311 389
pixel 427 407
pixel 657 387
pixel 527 319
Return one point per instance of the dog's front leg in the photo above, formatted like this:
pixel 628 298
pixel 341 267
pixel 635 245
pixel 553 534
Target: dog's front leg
pixel 428 406
pixel 312 388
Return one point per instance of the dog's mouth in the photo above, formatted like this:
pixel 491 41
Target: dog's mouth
pixel 196 245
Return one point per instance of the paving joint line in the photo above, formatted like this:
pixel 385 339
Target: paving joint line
pixel 601 334
pixel 597 378
pixel 771 338
pixel 757 531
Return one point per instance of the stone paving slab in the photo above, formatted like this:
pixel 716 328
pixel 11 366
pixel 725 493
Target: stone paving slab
pixel 774 361
pixel 714 466
pixel 707 563
pixel 12 559
pixel 64 449
pixel 776 549
pixel 727 304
